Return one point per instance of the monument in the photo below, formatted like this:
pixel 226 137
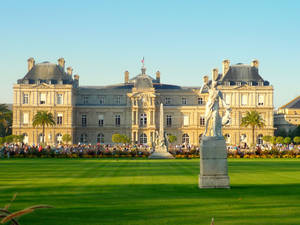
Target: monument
pixel 213 153
pixel 160 142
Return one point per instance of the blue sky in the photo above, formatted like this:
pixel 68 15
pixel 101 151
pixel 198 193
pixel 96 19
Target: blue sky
pixel 182 39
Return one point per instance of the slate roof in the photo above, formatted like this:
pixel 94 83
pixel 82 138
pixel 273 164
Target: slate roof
pixel 47 71
pixel 294 104
pixel 242 73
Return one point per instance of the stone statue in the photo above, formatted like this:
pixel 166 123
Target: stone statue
pixel 160 141
pixel 213 154
pixel 212 116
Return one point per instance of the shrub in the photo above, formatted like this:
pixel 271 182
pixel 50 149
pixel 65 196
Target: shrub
pixel 287 140
pixel 297 140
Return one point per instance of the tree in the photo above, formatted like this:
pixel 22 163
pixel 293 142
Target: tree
pixel 172 138
pixel 267 138
pixel 279 140
pixel 5 120
pixel 43 118
pixel 287 140
pixel 120 138
pixel 273 140
pixel 297 140
pixel 252 119
pixel 66 138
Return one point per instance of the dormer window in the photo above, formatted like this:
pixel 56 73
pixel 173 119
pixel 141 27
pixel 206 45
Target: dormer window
pixel 238 83
pixel 227 83
pixel 260 83
pixel 183 101
pixel 85 99
pixel 249 83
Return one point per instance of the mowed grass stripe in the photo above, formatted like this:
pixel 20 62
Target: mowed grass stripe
pixel 129 191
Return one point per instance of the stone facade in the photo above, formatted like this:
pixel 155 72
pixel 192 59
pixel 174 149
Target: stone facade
pixel 287 117
pixel 92 114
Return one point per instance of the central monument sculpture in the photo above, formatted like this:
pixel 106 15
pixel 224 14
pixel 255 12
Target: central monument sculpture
pixel 213 153
pixel 160 142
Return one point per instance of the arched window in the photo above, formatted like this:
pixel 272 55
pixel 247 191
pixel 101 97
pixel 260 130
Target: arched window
pixel 227 138
pixel 100 138
pixel 260 139
pixel 185 139
pixel 200 138
pixel 25 139
pixel 59 138
pixel 40 138
pixel 143 139
pixel 243 138
pixel 83 138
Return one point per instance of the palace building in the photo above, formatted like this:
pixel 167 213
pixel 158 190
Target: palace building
pixel 92 114
pixel 287 117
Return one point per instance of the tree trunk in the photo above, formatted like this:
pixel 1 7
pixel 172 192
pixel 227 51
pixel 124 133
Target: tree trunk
pixel 253 141
pixel 43 134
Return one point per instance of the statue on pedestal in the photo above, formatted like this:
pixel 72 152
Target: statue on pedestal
pixel 160 141
pixel 213 153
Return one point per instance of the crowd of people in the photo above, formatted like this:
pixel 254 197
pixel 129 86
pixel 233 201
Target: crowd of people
pixel 106 150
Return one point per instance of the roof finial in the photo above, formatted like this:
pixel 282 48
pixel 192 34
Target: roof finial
pixel 143 60
pixel 143 66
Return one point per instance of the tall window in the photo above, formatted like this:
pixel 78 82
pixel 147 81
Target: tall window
pixel 117 120
pixel 101 100
pixel 117 100
pixel 83 120
pixel 143 138
pixel 244 99
pixel 25 98
pixel 58 138
pixel 227 138
pixel 202 121
pixel 25 118
pixel 59 99
pixel 168 101
pixel 243 138
pixel 260 100
pixel 143 120
pixel 100 120
pixel 25 139
pixel 169 120
pixel 260 139
pixel 42 98
pixel 85 99
pixel 200 101
pixel 59 119
pixel 83 138
pixel 185 138
pixel 100 138
pixel 40 138
pixel 185 120
pixel 183 101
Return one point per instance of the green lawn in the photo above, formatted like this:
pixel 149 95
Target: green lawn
pixel 110 191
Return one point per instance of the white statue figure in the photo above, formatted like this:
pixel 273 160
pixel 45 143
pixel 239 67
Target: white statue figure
pixel 212 115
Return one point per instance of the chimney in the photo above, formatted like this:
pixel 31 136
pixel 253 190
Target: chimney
pixel 126 76
pixel 158 76
pixel 69 71
pixel 215 74
pixel 61 63
pixel 31 63
pixel 76 81
pixel 225 67
pixel 255 63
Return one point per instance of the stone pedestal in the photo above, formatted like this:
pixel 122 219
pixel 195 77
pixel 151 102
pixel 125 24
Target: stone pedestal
pixel 213 163
pixel 161 155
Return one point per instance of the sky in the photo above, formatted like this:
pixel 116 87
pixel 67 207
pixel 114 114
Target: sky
pixel 184 40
